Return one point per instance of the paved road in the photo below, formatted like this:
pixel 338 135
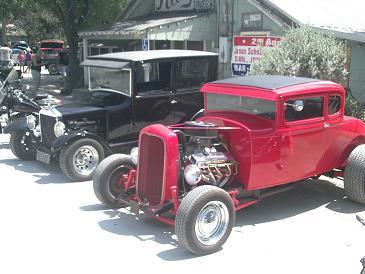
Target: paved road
pixel 52 225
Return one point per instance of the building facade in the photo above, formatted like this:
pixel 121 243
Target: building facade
pixel 211 25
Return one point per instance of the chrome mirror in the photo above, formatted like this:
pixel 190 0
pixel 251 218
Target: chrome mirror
pixel 297 105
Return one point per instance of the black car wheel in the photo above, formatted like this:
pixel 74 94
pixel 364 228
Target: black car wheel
pixel 354 178
pixel 205 219
pixel 53 69
pixel 22 145
pixel 110 178
pixel 79 160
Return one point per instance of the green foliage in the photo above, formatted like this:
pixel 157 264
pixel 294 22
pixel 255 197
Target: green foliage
pixel 355 109
pixel 305 53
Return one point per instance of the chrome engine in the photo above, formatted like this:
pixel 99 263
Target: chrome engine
pixel 207 161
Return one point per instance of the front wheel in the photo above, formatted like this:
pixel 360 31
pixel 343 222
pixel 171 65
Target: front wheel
pixel 79 160
pixel 53 69
pixel 205 219
pixel 354 178
pixel 110 178
pixel 22 145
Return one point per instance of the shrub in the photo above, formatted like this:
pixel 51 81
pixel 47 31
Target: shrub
pixel 306 53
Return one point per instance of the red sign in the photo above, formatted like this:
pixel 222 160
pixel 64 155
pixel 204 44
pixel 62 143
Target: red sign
pixel 247 49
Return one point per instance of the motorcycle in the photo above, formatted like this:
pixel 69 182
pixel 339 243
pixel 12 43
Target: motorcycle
pixel 16 104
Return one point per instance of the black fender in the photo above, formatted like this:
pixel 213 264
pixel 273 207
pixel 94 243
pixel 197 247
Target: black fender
pixel 17 124
pixel 64 140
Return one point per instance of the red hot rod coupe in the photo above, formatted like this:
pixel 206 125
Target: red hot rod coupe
pixel 258 135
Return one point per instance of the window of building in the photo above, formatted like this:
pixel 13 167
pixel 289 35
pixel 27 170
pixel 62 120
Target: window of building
pixel 179 44
pixel 252 21
pixel 195 45
pixel 334 103
pixel 312 108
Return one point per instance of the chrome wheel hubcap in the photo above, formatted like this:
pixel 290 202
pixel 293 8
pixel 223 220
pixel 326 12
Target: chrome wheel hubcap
pixel 85 160
pixel 212 223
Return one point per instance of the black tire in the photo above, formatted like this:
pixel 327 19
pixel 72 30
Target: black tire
pixel 105 181
pixel 196 202
pixel 81 150
pixel 354 178
pixel 53 69
pixel 22 146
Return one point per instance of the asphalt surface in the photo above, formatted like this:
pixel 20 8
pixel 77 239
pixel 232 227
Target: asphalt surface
pixel 52 225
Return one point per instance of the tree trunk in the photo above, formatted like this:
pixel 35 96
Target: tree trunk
pixel 4 22
pixel 70 28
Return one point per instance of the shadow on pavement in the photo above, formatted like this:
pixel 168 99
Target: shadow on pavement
pixel 44 174
pixel 306 196
pixel 142 226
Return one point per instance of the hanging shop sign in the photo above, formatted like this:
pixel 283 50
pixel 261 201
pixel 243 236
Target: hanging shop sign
pixel 247 49
pixel 183 5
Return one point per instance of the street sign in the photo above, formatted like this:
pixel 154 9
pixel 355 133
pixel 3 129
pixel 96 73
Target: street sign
pixel 247 49
pixel 145 44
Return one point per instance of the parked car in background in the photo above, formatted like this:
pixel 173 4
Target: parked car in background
pixel 50 50
pixel 127 91
pixel 19 45
pixel 258 136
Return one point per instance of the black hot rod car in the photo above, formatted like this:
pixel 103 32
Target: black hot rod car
pixel 127 91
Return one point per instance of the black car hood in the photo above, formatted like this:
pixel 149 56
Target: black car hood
pixel 81 109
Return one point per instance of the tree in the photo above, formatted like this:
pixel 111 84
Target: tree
pixel 306 53
pixel 75 15
pixel 7 9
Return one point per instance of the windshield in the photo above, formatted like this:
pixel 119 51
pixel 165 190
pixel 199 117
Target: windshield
pixel 12 76
pixel 253 106
pixel 110 79
pixel 51 45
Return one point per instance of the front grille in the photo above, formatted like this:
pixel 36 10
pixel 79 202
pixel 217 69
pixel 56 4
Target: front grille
pixel 47 129
pixel 150 170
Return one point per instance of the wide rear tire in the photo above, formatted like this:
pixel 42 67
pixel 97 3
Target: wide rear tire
pixel 205 219
pixel 109 177
pixel 354 179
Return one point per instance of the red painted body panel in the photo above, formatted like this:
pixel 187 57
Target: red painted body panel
pixel 284 152
pixel 170 165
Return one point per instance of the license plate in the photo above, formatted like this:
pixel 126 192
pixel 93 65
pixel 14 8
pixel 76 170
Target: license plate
pixel 134 207
pixel 43 157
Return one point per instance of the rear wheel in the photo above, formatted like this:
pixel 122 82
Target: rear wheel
pixel 354 179
pixel 205 219
pixel 79 160
pixel 53 69
pixel 22 145
pixel 110 177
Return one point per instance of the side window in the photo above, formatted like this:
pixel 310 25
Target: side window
pixel 153 76
pixel 334 103
pixel 312 108
pixel 191 73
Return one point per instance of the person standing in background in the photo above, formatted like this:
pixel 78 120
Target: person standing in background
pixel 28 60
pixel 35 69
pixel 21 60
pixel 5 54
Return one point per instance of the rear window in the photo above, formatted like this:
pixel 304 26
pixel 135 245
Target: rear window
pixel 51 45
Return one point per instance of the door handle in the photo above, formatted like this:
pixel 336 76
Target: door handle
pixel 325 125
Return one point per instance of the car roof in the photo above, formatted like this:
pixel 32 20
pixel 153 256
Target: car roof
pixel 269 86
pixel 52 41
pixel 151 55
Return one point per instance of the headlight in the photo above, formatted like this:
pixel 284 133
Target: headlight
pixel 134 155
pixel 59 129
pixel 192 174
pixel 31 122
